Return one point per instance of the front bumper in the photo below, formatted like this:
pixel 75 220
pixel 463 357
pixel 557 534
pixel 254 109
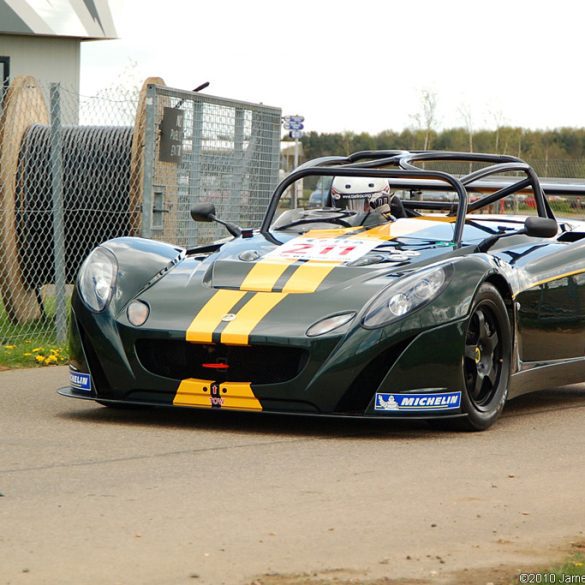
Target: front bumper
pixel 362 374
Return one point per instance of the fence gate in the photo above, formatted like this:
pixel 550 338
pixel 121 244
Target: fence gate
pixel 203 148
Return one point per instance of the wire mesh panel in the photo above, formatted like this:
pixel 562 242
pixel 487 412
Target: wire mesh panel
pixel 64 189
pixel 208 149
pixel 76 171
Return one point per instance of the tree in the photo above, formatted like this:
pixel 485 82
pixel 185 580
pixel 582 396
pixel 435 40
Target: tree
pixel 498 118
pixel 465 112
pixel 426 119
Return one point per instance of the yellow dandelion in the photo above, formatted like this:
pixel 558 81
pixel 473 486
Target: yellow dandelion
pixel 27 354
pixel 37 349
pixel 50 360
pixel 578 564
pixel 39 359
pixel 10 347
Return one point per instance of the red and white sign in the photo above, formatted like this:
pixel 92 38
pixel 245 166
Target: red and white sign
pixel 326 249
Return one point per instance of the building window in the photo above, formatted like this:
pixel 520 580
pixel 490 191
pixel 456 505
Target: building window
pixel 4 73
pixel 158 208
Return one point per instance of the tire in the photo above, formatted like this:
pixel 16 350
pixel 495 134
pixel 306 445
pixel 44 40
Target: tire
pixel 486 362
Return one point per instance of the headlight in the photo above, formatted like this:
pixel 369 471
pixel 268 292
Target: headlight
pixel 406 295
pixel 138 312
pixel 97 279
pixel 329 324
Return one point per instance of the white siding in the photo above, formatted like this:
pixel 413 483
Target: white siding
pixel 48 59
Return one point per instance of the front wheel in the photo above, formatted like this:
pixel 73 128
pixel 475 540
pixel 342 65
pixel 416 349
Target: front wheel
pixel 486 362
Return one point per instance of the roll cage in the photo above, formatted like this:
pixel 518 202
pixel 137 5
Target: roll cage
pixel 400 166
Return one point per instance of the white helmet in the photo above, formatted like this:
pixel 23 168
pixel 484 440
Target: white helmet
pixel 359 193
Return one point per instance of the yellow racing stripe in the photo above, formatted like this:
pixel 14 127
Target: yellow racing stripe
pixel 237 332
pixel 547 280
pixel 232 395
pixel 209 317
pixel 331 233
pixel 308 276
pixel 402 227
pixel 265 273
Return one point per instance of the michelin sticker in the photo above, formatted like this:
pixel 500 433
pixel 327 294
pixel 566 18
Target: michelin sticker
pixel 80 381
pixel 417 402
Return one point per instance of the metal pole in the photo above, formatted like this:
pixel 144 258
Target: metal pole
pixel 195 182
pixel 149 142
pixel 297 183
pixel 237 167
pixel 56 158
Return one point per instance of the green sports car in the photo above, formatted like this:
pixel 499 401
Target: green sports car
pixel 430 285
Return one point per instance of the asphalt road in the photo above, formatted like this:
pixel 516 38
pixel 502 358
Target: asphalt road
pixel 165 497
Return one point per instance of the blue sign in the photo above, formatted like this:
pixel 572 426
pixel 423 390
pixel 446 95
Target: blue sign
pixel 295 118
pixel 80 381
pixel 417 402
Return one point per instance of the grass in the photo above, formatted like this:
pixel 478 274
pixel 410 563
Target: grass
pixel 572 570
pixel 574 566
pixel 32 353
pixel 31 344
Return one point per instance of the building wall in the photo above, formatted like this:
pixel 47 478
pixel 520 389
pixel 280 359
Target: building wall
pixel 48 59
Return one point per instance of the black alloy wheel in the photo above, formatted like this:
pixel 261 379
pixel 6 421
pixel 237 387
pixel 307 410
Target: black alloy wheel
pixel 486 362
pixel 486 359
pixel 483 356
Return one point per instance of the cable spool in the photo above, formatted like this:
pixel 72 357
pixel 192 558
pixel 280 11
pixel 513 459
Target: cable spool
pixel 96 196
pixel 102 178
pixel 24 105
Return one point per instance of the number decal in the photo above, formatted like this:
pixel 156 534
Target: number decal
pixel 326 249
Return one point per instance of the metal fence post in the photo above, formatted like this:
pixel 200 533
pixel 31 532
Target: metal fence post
pixel 149 152
pixel 56 158
pixel 237 166
pixel 195 182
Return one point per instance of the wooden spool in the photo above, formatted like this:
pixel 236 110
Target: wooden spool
pixel 137 160
pixel 24 106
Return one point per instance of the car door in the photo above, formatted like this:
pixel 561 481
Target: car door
pixel 550 302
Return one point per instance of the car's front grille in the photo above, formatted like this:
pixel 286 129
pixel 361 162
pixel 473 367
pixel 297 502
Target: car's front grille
pixel 230 363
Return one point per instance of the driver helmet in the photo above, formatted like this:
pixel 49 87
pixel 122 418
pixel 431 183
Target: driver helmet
pixel 359 193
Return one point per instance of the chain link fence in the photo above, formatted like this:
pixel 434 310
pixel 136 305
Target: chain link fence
pixel 76 171
pixel 203 148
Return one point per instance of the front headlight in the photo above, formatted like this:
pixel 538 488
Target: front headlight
pixel 97 279
pixel 329 324
pixel 406 295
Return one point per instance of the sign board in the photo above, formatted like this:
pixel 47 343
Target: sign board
pixel 293 126
pixel 171 136
pixel 295 118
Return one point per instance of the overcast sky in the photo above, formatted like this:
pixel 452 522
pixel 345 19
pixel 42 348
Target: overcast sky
pixel 359 66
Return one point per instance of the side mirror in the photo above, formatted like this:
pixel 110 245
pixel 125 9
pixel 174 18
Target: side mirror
pixel 203 212
pixel 540 227
pixel 535 227
pixel 206 212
